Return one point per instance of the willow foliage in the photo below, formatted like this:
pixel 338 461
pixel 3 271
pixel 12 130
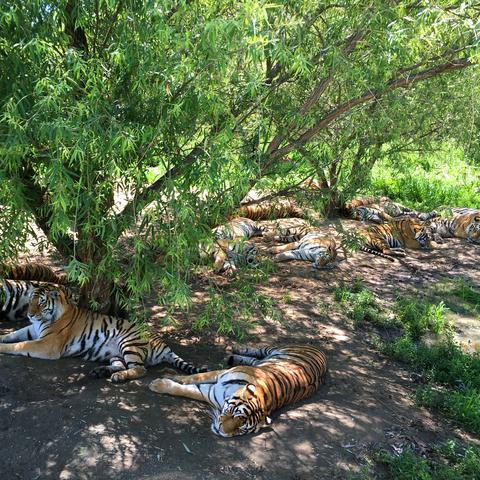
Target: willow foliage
pixel 184 105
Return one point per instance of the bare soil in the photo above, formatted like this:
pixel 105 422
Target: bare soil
pixel 56 422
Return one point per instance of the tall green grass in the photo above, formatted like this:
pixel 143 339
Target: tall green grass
pixel 444 178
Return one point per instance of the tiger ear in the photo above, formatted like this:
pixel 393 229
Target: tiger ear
pixel 268 421
pixel 251 389
pixel 477 219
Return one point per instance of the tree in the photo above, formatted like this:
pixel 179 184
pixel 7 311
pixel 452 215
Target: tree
pixel 184 106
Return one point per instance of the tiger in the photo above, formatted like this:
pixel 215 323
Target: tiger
pixel 229 255
pixel 59 329
pixel 314 247
pixel 392 238
pixel 15 297
pixel 262 380
pixel 31 271
pixel 463 225
pixel 271 210
pixel 238 227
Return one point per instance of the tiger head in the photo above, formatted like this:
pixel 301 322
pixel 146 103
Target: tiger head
pixel 46 305
pixel 423 234
pixel 473 230
pixel 326 259
pixel 242 413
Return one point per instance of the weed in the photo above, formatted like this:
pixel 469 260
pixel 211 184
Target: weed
pixel 232 311
pixel 359 303
pixel 452 377
pixel 449 461
pixel 419 317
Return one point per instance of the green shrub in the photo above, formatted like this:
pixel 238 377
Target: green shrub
pixel 419 317
pixel 449 462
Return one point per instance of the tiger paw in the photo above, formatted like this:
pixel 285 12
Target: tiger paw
pixel 100 372
pixel 118 377
pixel 161 385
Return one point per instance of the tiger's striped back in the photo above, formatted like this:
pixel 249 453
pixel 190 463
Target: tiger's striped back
pixel 238 227
pixel 271 210
pixel 32 271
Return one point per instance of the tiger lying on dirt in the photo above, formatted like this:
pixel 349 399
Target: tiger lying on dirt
pixel 465 223
pixel 262 380
pixel 59 329
pixel 394 237
pixel 314 246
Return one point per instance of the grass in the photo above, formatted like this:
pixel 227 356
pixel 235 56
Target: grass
pixel 451 376
pixel 232 311
pixel 427 183
pixel 359 303
pixel 449 461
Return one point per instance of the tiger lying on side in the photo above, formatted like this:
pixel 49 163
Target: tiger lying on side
pixel 461 225
pixel 314 246
pixel 392 238
pixel 270 210
pixel 15 297
pixel 229 255
pixel 238 227
pixel 244 396
pixel 59 329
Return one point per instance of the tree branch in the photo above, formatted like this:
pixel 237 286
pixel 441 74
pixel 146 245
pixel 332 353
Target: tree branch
pixel 393 84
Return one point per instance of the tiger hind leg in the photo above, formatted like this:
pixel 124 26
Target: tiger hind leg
pixel 234 360
pixel 251 352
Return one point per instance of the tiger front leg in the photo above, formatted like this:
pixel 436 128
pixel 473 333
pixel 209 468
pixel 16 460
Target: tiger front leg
pixel 43 348
pixel 170 387
pixel 106 371
pixel 26 333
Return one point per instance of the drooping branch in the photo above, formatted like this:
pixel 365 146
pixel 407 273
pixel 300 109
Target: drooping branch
pixel 350 44
pixel 391 85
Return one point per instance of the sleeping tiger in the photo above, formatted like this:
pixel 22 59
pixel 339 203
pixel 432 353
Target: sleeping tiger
pixel 461 225
pixel 314 247
pixel 270 210
pixel 59 329
pixel 229 255
pixel 392 238
pixel 243 397
pixel 15 297
pixel 238 227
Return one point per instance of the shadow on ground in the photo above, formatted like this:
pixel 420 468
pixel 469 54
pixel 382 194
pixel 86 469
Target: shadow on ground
pixel 56 422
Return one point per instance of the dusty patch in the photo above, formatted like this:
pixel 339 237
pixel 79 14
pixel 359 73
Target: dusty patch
pixel 55 422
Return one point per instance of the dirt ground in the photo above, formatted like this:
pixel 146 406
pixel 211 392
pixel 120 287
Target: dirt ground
pixel 56 422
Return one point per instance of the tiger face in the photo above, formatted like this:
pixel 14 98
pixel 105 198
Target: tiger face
pixel 45 305
pixel 423 235
pixel 473 230
pixel 242 413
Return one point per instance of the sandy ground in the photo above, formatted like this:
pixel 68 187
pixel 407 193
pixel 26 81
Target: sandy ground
pixel 56 422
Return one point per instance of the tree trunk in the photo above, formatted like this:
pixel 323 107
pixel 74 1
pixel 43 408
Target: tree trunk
pixel 99 292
